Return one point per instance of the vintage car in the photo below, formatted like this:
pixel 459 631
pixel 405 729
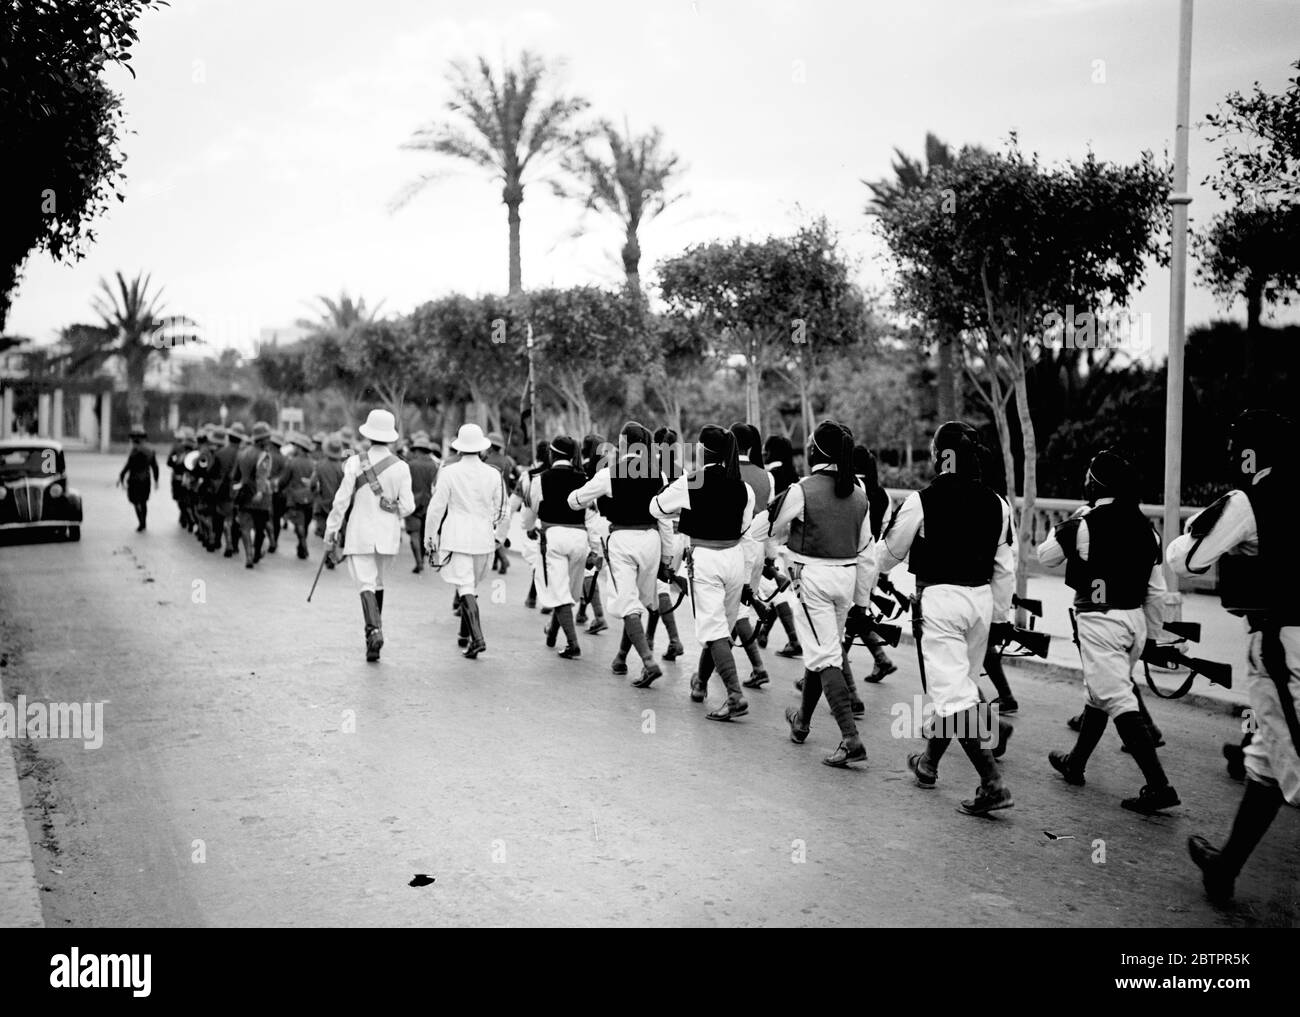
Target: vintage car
pixel 34 492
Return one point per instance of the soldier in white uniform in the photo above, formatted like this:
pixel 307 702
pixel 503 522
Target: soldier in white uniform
pixel 824 522
pixel 1250 532
pixel 713 507
pixel 376 485
pixel 668 450
pixel 1113 563
pixel 563 542
pixel 466 524
pixel 960 545
pixel 622 492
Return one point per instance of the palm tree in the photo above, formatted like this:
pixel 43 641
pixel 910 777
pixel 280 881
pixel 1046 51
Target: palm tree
pixel 324 360
pixel 631 184
pixel 338 316
pixel 135 328
pixel 503 123
pixel 911 175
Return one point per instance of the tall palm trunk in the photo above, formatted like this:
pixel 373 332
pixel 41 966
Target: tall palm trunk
pixel 513 196
pixel 632 260
pixel 135 403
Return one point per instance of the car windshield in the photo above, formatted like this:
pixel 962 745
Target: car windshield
pixel 30 462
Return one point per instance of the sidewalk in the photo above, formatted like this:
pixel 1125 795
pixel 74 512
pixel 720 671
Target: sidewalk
pixel 20 904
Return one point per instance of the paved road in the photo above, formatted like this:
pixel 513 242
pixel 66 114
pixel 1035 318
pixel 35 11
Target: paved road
pixel 256 771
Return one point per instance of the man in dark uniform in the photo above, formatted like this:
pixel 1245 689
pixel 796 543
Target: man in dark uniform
pixel 594 454
pixel 252 488
pixel 224 476
pixel 276 521
pixel 424 474
pixel 960 545
pixel 183 444
pixel 141 466
pixel 203 485
pixel 562 538
pixel 325 484
pixel 294 485
pixel 1113 563
pixel 1251 533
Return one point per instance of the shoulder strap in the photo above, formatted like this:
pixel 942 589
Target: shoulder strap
pixel 371 473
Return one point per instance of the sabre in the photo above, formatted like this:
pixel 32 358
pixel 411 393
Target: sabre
pixel 319 569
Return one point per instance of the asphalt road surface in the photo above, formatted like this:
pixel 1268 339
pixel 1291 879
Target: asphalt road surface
pixel 256 771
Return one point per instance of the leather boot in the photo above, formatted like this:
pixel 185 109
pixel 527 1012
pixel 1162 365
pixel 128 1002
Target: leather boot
pixel 992 794
pixel 669 617
pixel 374 624
pixel 650 671
pixel 619 664
pixel 462 640
pixel 744 631
pixel 1070 765
pixel 1157 793
pixel 1219 867
pixel 469 604
pixel 925 765
pixel 735 706
pixel 836 691
pixel 571 649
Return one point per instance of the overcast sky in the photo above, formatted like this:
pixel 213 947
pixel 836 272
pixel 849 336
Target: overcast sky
pixel 267 136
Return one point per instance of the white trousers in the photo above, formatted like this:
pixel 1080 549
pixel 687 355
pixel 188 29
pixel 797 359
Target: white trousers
pixel 1271 755
pixel 823 602
pixel 954 636
pixel 633 565
pixel 368 569
pixel 1110 643
pixel 719 575
pixel 466 572
pixel 566 560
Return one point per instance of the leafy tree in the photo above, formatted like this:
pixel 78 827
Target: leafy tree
pixel 62 126
pixel 1022 246
pixel 628 177
pixel 506 123
pixel 678 363
pixel 282 369
pixel 136 328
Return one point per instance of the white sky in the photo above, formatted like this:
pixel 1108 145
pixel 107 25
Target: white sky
pixel 266 135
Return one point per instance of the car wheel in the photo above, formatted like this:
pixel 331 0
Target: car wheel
pixel 74 533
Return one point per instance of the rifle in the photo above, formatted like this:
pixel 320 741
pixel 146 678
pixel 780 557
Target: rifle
pixel 1030 642
pixel 861 624
pixel 901 602
pixel 766 615
pixel 1169 656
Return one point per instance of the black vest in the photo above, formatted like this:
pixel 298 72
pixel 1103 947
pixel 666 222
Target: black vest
pixel 1122 548
pixel 1266 582
pixel 717 509
pixel 761 481
pixel 557 484
pixel 629 502
pixel 831 527
pixel 963 525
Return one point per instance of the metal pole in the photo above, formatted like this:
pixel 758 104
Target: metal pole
pixel 532 399
pixel 1179 199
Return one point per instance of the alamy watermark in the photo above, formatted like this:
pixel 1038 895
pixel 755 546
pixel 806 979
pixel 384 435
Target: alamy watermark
pixel 1117 329
pixel 82 722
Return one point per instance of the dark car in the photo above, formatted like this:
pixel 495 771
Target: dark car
pixel 34 492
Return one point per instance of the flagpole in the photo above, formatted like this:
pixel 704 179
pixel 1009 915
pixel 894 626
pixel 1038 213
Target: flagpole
pixel 532 398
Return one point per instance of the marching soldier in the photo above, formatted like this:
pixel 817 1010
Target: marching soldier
pixel 141 464
pixel 224 475
pixel 1113 563
pixel 562 539
pixel 881 511
pixel 468 517
pixel 824 522
pixel 959 543
pixel 749 445
pixel 325 484
pixel 206 480
pixel 595 454
pixel 778 459
pixel 252 488
pixel 277 447
pixel 622 491
pixel 373 496
pixel 294 485
pixel 1250 533
pixel 667 453
pixel 424 474
pixel 183 445
pixel 713 508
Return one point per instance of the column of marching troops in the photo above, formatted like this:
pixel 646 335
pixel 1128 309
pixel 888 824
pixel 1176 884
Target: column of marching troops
pixel 629 529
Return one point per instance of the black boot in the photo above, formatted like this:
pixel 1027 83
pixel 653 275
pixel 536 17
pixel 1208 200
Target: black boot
pixel 379 599
pixel 992 794
pixel 650 671
pixel 884 666
pixel 1070 765
pixel 462 640
pixel 836 690
pixel 1220 867
pixel 810 693
pixel 374 624
pixel 700 681
pixel 1157 739
pixel 469 605
pixel 925 765
pixel 735 706
pixel 669 617
pixel 744 631
pixel 417 552
pixel 855 701
pixel 619 664
pixel 571 650
pixel 1157 793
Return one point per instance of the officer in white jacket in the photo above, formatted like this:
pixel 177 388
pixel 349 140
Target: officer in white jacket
pixel 376 486
pixel 467 521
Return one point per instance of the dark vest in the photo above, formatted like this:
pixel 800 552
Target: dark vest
pixel 629 502
pixel 1122 547
pixel 963 525
pixel 761 481
pixel 831 526
pixel 717 506
pixel 557 484
pixel 1266 582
